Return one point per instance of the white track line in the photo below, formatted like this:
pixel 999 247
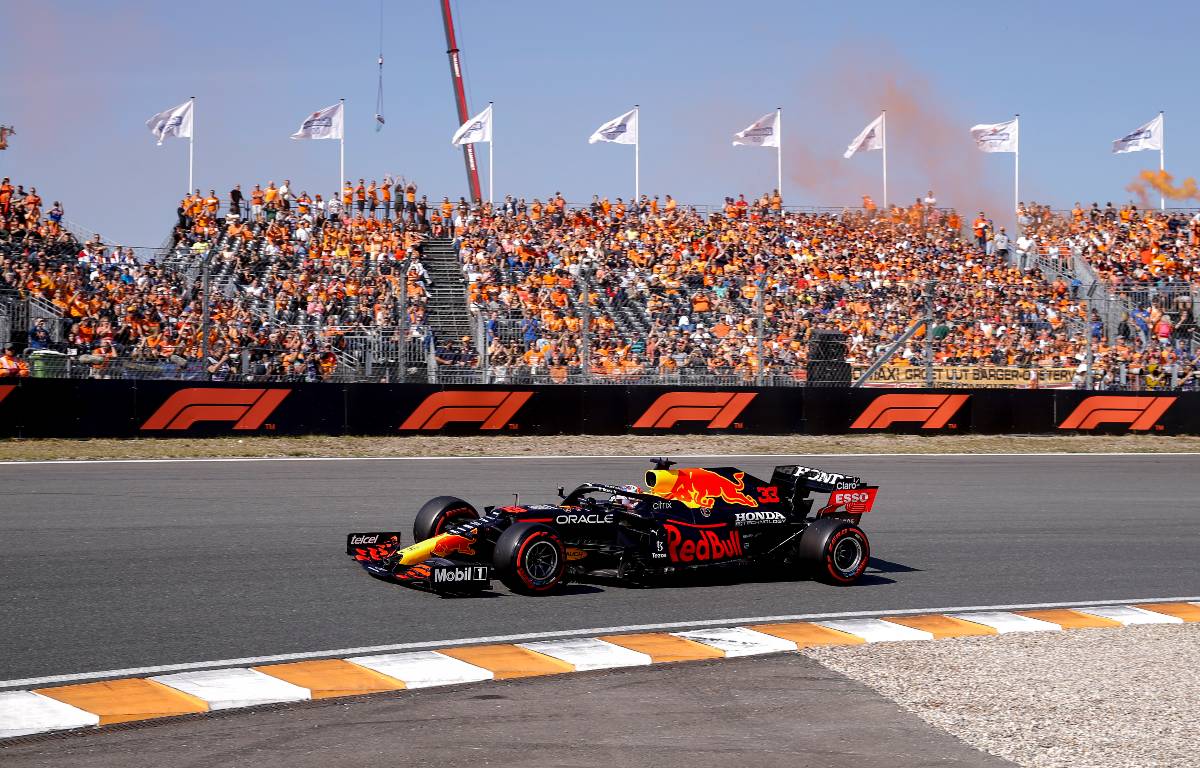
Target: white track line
pixel 529 636
pixel 559 457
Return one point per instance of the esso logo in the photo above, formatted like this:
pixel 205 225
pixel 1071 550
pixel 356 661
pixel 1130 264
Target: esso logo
pixel 849 497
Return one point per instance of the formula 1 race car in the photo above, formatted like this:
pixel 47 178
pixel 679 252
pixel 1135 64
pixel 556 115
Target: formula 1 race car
pixel 686 519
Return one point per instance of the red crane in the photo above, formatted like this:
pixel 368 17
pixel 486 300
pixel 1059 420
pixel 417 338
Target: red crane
pixel 460 98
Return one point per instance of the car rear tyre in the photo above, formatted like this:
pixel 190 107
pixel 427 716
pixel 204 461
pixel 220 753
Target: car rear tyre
pixel 835 551
pixel 440 513
pixel 530 559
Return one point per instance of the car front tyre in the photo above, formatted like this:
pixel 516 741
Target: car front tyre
pixel 440 513
pixel 530 559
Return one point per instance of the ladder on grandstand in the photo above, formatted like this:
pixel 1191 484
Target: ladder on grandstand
pixel 448 313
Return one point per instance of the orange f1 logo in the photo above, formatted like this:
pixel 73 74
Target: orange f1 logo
pixel 248 408
pixel 1140 413
pixel 933 411
pixel 719 409
pixel 489 409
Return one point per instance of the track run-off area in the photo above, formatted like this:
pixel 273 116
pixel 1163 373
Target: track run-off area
pixel 128 565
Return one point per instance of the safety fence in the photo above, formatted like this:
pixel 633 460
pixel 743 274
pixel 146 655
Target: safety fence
pixel 112 408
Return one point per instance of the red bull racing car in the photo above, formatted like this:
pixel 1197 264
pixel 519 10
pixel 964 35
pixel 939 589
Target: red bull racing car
pixel 684 519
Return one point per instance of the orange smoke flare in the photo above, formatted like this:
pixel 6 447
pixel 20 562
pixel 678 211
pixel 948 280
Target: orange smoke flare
pixel 1164 184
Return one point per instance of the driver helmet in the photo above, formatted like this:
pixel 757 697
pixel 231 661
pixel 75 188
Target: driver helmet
pixel 626 501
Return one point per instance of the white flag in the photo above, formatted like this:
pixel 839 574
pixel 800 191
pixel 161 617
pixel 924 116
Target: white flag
pixel 619 130
pixel 478 128
pixel 322 124
pixel 870 138
pixel 176 121
pixel 763 132
pixel 997 137
pixel 1149 136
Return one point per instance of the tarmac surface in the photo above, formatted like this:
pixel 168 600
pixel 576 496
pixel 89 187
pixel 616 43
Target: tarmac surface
pixel 786 711
pixel 114 565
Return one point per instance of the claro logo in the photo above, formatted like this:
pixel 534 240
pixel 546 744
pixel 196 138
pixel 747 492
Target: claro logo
pixel 1140 413
pixel 719 409
pixel 247 408
pixel 932 411
pixel 491 410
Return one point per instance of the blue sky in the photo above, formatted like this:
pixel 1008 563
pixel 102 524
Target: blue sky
pixel 81 78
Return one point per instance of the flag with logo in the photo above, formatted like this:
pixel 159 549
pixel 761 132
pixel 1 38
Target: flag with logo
pixel 619 130
pixel 1148 136
pixel 176 121
pixel 996 137
pixel 763 132
pixel 477 129
pixel 323 124
pixel 870 138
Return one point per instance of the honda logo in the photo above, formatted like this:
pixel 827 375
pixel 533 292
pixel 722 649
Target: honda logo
pixel 247 408
pixel 932 411
pixel 489 409
pixel 719 409
pixel 1140 413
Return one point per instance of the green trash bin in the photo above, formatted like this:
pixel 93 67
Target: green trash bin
pixel 47 364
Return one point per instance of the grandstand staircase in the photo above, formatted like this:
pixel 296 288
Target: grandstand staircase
pixel 448 313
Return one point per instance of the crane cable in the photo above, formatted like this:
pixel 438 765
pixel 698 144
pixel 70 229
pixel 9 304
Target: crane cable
pixel 379 121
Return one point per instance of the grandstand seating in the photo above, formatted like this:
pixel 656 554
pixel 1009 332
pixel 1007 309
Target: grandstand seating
pixel 302 290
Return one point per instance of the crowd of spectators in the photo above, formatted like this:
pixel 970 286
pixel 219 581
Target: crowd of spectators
pixel 735 292
pixel 1147 267
pixel 289 281
pixel 674 290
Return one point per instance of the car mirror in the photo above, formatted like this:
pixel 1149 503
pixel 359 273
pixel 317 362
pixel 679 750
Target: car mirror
pixel 561 495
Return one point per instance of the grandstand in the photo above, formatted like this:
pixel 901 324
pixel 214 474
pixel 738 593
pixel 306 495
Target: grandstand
pixel 287 286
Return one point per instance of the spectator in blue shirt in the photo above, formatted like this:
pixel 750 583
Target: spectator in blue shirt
pixel 39 337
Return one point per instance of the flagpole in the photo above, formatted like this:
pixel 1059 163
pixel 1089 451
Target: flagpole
pixel 883 125
pixel 637 148
pixel 491 152
pixel 1017 167
pixel 191 144
pixel 779 150
pixel 337 191
pixel 1162 150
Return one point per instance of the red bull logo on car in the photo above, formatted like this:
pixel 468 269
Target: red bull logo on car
pixel 701 545
pixel 452 544
pixel 700 487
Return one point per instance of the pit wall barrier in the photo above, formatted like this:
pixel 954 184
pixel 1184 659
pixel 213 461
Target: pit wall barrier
pixel 81 409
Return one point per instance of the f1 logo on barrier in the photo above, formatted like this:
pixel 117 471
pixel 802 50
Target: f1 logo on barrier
pixel 719 409
pixel 247 408
pixel 932 411
pixel 1140 413
pixel 491 410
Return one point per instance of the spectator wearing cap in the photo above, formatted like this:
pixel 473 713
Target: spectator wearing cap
pixel 39 335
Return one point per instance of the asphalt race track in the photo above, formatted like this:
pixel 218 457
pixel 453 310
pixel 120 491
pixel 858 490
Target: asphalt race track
pixel 115 565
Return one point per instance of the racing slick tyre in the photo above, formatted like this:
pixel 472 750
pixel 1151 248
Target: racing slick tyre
pixel 440 513
pixel 530 559
pixel 835 551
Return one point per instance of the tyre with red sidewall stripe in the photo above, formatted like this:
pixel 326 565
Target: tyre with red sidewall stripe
pixel 440 513
pixel 530 559
pixel 834 551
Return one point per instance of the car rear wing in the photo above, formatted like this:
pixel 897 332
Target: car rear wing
pixel 849 496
